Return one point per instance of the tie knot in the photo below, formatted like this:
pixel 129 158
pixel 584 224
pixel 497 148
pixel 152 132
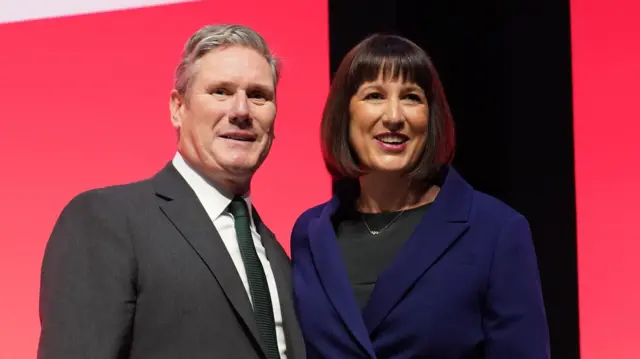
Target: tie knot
pixel 238 207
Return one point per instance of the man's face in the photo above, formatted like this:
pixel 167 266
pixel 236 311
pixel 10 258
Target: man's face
pixel 225 119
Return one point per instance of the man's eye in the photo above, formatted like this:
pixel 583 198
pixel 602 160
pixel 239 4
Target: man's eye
pixel 221 92
pixel 257 95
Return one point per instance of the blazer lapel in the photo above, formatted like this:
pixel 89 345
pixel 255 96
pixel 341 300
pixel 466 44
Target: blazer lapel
pixel 445 222
pixel 281 267
pixel 328 261
pixel 184 211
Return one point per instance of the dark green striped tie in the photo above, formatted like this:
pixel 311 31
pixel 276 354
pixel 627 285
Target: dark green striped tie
pixel 255 275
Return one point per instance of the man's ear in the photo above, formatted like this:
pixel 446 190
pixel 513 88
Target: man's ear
pixel 176 106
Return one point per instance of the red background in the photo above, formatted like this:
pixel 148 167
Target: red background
pixel 606 78
pixel 85 104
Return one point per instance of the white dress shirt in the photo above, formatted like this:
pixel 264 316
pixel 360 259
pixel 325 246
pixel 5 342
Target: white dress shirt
pixel 215 204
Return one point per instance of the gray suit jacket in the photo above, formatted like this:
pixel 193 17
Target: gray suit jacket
pixel 139 271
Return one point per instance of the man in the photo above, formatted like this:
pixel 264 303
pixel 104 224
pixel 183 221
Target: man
pixel 180 265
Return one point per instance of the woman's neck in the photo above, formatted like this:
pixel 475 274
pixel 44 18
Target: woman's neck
pixel 390 192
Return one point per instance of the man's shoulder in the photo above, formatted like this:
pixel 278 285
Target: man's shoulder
pixel 110 198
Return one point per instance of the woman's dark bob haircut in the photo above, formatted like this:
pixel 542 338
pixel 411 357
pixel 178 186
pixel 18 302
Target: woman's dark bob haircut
pixel 393 57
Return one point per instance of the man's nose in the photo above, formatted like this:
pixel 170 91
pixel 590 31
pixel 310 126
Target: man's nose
pixel 239 113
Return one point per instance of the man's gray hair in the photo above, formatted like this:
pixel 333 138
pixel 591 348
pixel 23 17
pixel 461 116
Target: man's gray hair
pixel 211 37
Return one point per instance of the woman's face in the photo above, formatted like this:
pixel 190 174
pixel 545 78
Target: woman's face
pixel 388 126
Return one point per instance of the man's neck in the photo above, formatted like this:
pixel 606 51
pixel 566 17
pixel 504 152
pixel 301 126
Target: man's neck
pixel 226 184
pixel 231 186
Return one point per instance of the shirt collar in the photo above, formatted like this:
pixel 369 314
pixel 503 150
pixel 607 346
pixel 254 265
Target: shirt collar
pixel 214 200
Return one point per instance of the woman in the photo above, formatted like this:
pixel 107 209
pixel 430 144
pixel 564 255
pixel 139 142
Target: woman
pixel 407 260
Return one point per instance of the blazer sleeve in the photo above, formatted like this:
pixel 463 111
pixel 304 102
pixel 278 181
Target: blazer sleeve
pixel 87 290
pixel 515 322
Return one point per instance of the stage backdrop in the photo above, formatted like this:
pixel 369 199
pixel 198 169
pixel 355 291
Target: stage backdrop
pixel 606 75
pixel 84 94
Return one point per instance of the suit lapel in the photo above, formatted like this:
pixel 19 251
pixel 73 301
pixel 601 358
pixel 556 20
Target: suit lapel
pixel 281 267
pixel 443 224
pixel 328 261
pixel 183 209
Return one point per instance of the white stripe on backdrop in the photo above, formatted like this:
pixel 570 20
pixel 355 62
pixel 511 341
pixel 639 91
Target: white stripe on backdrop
pixel 21 10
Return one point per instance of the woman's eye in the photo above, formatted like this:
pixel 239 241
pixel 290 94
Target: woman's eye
pixel 374 96
pixel 414 97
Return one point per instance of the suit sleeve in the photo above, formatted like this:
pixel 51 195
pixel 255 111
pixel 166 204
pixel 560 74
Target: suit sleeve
pixel 87 290
pixel 515 321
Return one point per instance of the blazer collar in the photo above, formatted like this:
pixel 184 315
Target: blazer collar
pixel 442 225
pixel 281 267
pixel 332 273
pixel 181 206
pixel 445 222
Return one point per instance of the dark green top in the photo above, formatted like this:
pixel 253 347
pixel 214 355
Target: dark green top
pixel 366 255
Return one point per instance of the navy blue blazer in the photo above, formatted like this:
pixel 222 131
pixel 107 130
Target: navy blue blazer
pixel 464 285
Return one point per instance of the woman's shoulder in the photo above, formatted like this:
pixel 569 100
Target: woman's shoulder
pixel 488 203
pixel 476 205
pixel 492 211
pixel 307 216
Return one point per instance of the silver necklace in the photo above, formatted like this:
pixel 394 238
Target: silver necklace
pixel 375 233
